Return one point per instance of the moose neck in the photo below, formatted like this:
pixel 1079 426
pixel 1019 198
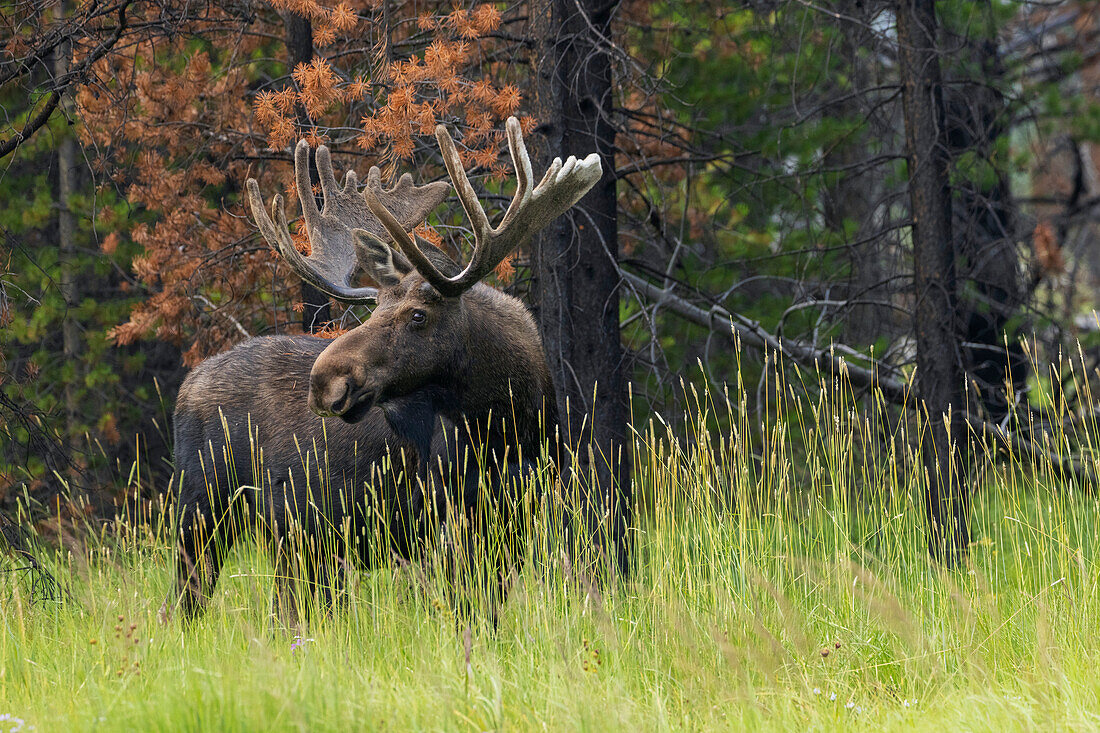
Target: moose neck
pixel 506 388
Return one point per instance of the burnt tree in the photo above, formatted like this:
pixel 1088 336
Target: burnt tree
pixel 575 263
pixel 939 372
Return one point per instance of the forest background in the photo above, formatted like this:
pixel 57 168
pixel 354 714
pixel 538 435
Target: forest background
pixel 759 202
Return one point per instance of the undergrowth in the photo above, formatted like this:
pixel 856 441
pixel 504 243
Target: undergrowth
pixel 781 581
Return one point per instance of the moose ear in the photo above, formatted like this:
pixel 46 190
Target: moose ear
pixel 378 259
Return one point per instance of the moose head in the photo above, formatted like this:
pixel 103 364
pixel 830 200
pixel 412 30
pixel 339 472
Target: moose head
pixel 435 323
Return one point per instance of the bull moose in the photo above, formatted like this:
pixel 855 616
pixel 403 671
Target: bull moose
pixel 441 348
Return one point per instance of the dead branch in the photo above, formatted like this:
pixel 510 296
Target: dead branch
pixel 740 330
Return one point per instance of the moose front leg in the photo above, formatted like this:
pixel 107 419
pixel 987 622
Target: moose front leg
pixel 308 552
pixel 201 546
pixel 306 581
pixel 308 577
pixel 484 538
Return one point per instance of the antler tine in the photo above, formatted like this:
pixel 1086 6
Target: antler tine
pixel 278 240
pixel 521 161
pixel 277 234
pixel 494 245
pixel 466 194
pixel 530 210
pixel 303 185
pixel 332 264
pixel 406 244
pixel 327 267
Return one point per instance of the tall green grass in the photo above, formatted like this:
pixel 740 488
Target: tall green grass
pixel 781 581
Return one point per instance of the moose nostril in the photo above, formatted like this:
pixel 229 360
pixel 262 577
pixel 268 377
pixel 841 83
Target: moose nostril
pixel 341 402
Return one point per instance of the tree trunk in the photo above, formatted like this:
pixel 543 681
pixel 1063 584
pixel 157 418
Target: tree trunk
pixel 67 185
pixel 299 48
pixel 576 288
pixel 938 370
pixel 849 204
pixel 984 227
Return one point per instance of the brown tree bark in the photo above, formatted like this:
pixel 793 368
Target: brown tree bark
pixel 577 282
pixel 939 374
pixel 67 185
pixel 317 309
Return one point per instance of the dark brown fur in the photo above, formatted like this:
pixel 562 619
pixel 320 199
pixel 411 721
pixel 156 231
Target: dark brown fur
pixel 482 348
pixel 476 355
pixel 448 375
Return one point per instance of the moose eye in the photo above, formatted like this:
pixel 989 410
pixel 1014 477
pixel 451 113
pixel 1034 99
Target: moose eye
pixel 419 316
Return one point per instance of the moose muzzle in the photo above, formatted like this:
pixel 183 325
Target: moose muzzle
pixel 331 396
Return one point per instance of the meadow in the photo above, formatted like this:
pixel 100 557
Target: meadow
pixel 781 582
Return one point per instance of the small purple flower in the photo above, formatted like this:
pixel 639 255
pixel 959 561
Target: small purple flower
pixel 11 724
pixel 298 643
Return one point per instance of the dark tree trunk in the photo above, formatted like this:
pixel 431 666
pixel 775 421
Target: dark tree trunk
pixel 67 186
pixel 849 204
pixel 938 369
pixel 576 288
pixel 990 292
pixel 299 48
